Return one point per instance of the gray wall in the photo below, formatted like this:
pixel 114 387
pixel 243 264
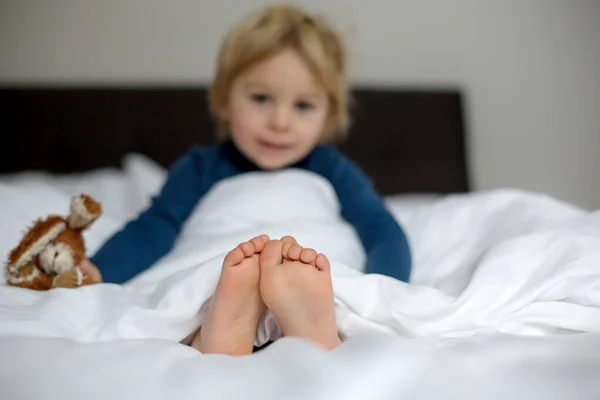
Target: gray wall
pixel 530 69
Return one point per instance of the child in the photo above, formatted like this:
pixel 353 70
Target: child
pixel 280 93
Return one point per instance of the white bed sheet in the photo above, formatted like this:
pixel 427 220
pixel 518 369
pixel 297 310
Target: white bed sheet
pixel 505 300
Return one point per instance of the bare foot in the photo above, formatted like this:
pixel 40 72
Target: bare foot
pixel 295 284
pixel 236 306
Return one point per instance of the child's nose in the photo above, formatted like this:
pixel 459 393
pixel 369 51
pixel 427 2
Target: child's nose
pixel 280 119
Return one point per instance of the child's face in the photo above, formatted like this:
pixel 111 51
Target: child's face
pixel 277 111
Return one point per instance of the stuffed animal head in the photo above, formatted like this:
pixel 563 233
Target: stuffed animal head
pixel 51 250
pixel 61 255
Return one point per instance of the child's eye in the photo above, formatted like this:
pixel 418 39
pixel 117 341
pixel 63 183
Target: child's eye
pixel 304 106
pixel 260 98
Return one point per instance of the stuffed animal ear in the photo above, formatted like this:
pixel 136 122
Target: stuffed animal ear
pixel 34 241
pixel 29 277
pixel 84 211
pixel 20 269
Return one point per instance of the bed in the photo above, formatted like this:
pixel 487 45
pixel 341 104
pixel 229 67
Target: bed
pixel 504 301
pixel 78 129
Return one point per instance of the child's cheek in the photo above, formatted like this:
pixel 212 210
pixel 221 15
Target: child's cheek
pixel 246 123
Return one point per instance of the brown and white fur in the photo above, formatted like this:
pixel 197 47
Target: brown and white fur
pixel 51 250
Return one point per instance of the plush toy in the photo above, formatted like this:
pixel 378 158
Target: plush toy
pixel 49 253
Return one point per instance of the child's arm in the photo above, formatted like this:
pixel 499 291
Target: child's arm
pixel 386 245
pixel 152 234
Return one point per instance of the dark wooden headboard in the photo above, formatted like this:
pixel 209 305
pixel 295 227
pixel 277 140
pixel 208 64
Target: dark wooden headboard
pixel 406 140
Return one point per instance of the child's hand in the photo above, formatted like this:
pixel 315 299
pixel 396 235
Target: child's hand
pixel 91 270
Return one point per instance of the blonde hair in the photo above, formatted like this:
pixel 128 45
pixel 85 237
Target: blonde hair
pixel 270 30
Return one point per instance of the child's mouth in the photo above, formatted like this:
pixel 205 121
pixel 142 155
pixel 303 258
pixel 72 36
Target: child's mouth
pixel 273 146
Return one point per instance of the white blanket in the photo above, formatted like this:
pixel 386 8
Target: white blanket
pixel 496 274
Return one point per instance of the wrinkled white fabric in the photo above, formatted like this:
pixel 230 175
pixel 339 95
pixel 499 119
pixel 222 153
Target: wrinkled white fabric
pixel 491 270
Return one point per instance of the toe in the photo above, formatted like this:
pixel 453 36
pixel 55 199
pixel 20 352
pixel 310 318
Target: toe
pixel 294 252
pixel 286 249
pixel 289 239
pixel 247 248
pixel 259 243
pixel 322 263
pixel 234 257
pixel 271 255
pixel 308 256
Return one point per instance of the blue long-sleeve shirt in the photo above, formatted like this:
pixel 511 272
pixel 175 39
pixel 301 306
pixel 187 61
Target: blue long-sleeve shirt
pixel 152 234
